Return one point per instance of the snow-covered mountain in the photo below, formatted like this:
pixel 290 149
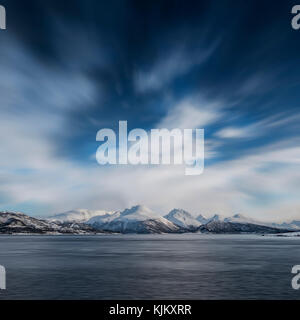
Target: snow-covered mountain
pixel 139 213
pixel 238 218
pixel 216 217
pixel 99 221
pixel 295 225
pixel 79 215
pixel 17 222
pixel 182 219
pixel 138 219
pixel 234 227
pixel 202 219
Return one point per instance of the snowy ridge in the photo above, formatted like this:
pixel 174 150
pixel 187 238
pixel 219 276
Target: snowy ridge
pixel 202 219
pixel 238 218
pixel 79 215
pixel 216 217
pixel 16 222
pixel 183 219
pixel 98 221
pixel 223 227
pixel 138 219
pixel 295 225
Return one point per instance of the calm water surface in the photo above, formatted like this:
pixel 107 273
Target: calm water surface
pixel 187 266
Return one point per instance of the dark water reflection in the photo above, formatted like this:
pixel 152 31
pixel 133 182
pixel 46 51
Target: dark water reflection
pixel 187 266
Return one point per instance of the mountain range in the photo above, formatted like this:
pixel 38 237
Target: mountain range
pixel 19 223
pixel 79 215
pixel 137 219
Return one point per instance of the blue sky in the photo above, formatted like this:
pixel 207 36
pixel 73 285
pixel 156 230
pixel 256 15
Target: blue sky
pixel 71 68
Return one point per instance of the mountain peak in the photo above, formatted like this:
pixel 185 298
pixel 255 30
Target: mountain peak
pixel 239 216
pixel 140 207
pixel 179 211
pixel 202 219
pixel 139 212
pixel 217 217
pixel 78 215
pixel 182 218
pixel 137 219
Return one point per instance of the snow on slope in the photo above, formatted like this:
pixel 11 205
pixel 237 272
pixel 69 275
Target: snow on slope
pixel 182 219
pixel 202 219
pixel 17 222
pixel 79 215
pixel 18 219
pixel 216 217
pixel 237 227
pixel 138 219
pixel 98 221
pixel 294 225
pixel 238 218
pixel 139 213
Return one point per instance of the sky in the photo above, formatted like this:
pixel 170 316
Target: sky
pixel 71 68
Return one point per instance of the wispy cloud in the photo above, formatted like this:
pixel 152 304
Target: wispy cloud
pixel 190 113
pixel 175 62
pixel 284 121
pixel 232 132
